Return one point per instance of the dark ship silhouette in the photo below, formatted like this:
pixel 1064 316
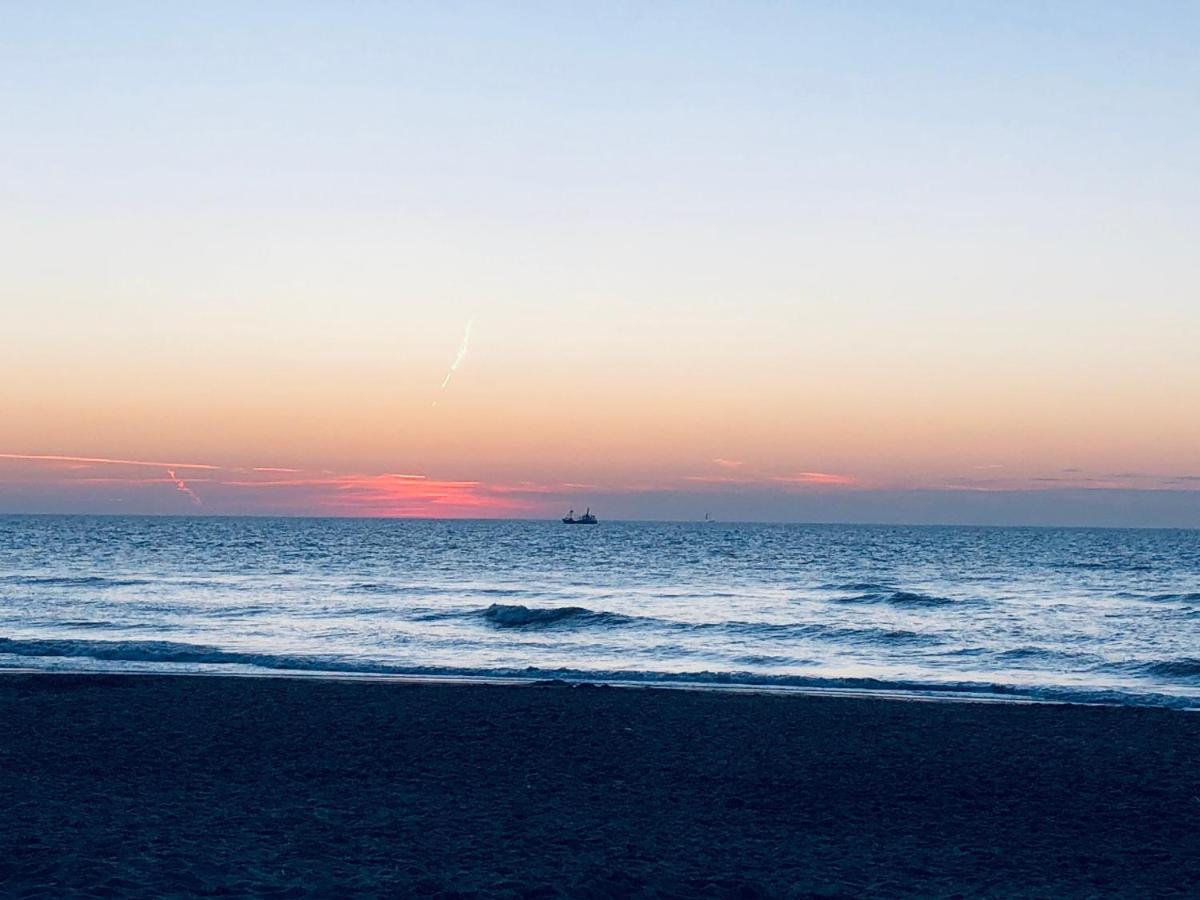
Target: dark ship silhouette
pixel 586 519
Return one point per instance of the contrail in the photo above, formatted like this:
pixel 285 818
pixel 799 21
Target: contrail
pixel 182 487
pixel 462 354
pixel 105 460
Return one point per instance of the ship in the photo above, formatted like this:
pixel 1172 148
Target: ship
pixel 586 519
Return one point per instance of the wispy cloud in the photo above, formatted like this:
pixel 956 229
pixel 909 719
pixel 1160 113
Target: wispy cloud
pixel 826 478
pixel 101 460
pixel 748 479
pixel 1063 479
pixel 728 463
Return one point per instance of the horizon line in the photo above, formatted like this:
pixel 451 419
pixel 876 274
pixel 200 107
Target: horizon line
pixel 554 520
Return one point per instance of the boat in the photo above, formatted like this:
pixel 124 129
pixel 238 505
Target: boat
pixel 586 519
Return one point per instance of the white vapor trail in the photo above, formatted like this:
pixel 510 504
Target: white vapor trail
pixel 104 460
pixel 181 486
pixel 462 354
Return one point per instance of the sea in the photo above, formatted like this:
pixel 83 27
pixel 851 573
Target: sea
pixel 1007 614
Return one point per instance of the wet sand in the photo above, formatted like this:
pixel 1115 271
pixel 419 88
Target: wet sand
pixel 155 785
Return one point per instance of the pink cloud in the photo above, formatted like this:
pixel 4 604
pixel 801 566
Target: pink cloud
pixel 815 478
pixel 753 479
pixel 718 479
pixel 384 494
pixel 389 493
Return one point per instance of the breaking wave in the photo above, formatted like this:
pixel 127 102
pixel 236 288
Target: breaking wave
pixel 1185 668
pixel 525 618
pixel 167 656
pixel 504 615
pixel 909 599
pixel 130 651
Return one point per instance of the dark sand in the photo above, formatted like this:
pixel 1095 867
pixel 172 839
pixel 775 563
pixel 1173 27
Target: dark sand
pixel 129 785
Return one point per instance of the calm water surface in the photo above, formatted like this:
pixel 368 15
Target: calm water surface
pixel 1069 613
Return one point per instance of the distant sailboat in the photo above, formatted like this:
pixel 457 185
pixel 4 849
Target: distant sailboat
pixel 586 519
pixel 709 520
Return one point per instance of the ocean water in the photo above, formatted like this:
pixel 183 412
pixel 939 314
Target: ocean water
pixel 1070 614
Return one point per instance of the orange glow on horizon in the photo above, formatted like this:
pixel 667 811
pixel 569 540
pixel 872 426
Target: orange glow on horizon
pixel 233 489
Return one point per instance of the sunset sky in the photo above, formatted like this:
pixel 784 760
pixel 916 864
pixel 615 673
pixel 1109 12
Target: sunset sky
pixel 905 262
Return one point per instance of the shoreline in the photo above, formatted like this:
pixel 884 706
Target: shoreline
pixel 685 682
pixel 306 786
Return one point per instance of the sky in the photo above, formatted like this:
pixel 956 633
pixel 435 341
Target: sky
pixel 899 262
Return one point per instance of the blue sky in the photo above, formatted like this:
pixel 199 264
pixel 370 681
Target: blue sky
pixel 925 247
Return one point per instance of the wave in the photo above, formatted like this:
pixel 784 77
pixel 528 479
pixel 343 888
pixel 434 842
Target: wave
pixel 162 655
pixel 177 652
pixel 239 612
pixel 910 599
pixel 1034 653
pixel 91 624
pixel 504 615
pixel 174 653
pixel 1191 597
pixel 429 590
pixel 526 618
pixel 387 587
pixel 1047 656
pixel 1188 597
pixel 369 587
pixel 1115 565
pixel 72 581
pixel 869 636
pixel 130 651
pixel 755 659
pixel 1186 668
pixel 861 586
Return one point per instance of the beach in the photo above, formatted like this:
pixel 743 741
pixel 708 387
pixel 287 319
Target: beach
pixel 148 785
